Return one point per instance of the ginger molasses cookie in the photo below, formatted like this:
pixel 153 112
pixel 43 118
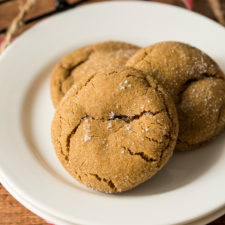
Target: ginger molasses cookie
pixel 115 130
pixel 85 61
pixel 196 85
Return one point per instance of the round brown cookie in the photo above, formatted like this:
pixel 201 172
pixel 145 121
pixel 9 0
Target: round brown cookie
pixel 85 61
pixel 196 85
pixel 115 130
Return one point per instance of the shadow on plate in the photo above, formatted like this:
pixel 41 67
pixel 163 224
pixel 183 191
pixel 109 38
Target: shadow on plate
pixel 182 169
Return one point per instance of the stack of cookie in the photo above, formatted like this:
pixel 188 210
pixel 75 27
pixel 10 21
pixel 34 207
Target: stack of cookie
pixel 118 107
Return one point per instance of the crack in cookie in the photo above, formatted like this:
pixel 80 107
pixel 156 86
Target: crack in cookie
pixel 110 183
pixel 68 72
pixel 140 154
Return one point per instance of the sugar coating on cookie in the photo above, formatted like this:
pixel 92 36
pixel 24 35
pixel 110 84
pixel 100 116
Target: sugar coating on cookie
pixel 115 130
pixel 196 85
pixel 84 62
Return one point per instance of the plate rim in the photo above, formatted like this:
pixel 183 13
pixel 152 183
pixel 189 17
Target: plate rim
pixel 51 218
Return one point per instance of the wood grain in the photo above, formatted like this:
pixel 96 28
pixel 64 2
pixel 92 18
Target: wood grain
pixel 11 211
pixel 10 9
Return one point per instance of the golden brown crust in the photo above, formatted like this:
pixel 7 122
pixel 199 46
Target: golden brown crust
pixel 115 130
pixel 84 62
pixel 193 80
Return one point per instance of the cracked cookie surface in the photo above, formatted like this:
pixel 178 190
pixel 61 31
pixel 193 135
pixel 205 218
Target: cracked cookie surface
pixel 84 62
pixel 196 85
pixel 115 130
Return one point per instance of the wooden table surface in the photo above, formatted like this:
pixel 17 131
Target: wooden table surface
pixel 11 211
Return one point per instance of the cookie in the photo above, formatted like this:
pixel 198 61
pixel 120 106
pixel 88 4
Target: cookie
pixel 196 85
pixel 84 62
pixel 116 130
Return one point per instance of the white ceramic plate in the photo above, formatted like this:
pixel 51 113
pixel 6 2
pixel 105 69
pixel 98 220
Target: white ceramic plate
pixel 191 186
pixel 53 219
